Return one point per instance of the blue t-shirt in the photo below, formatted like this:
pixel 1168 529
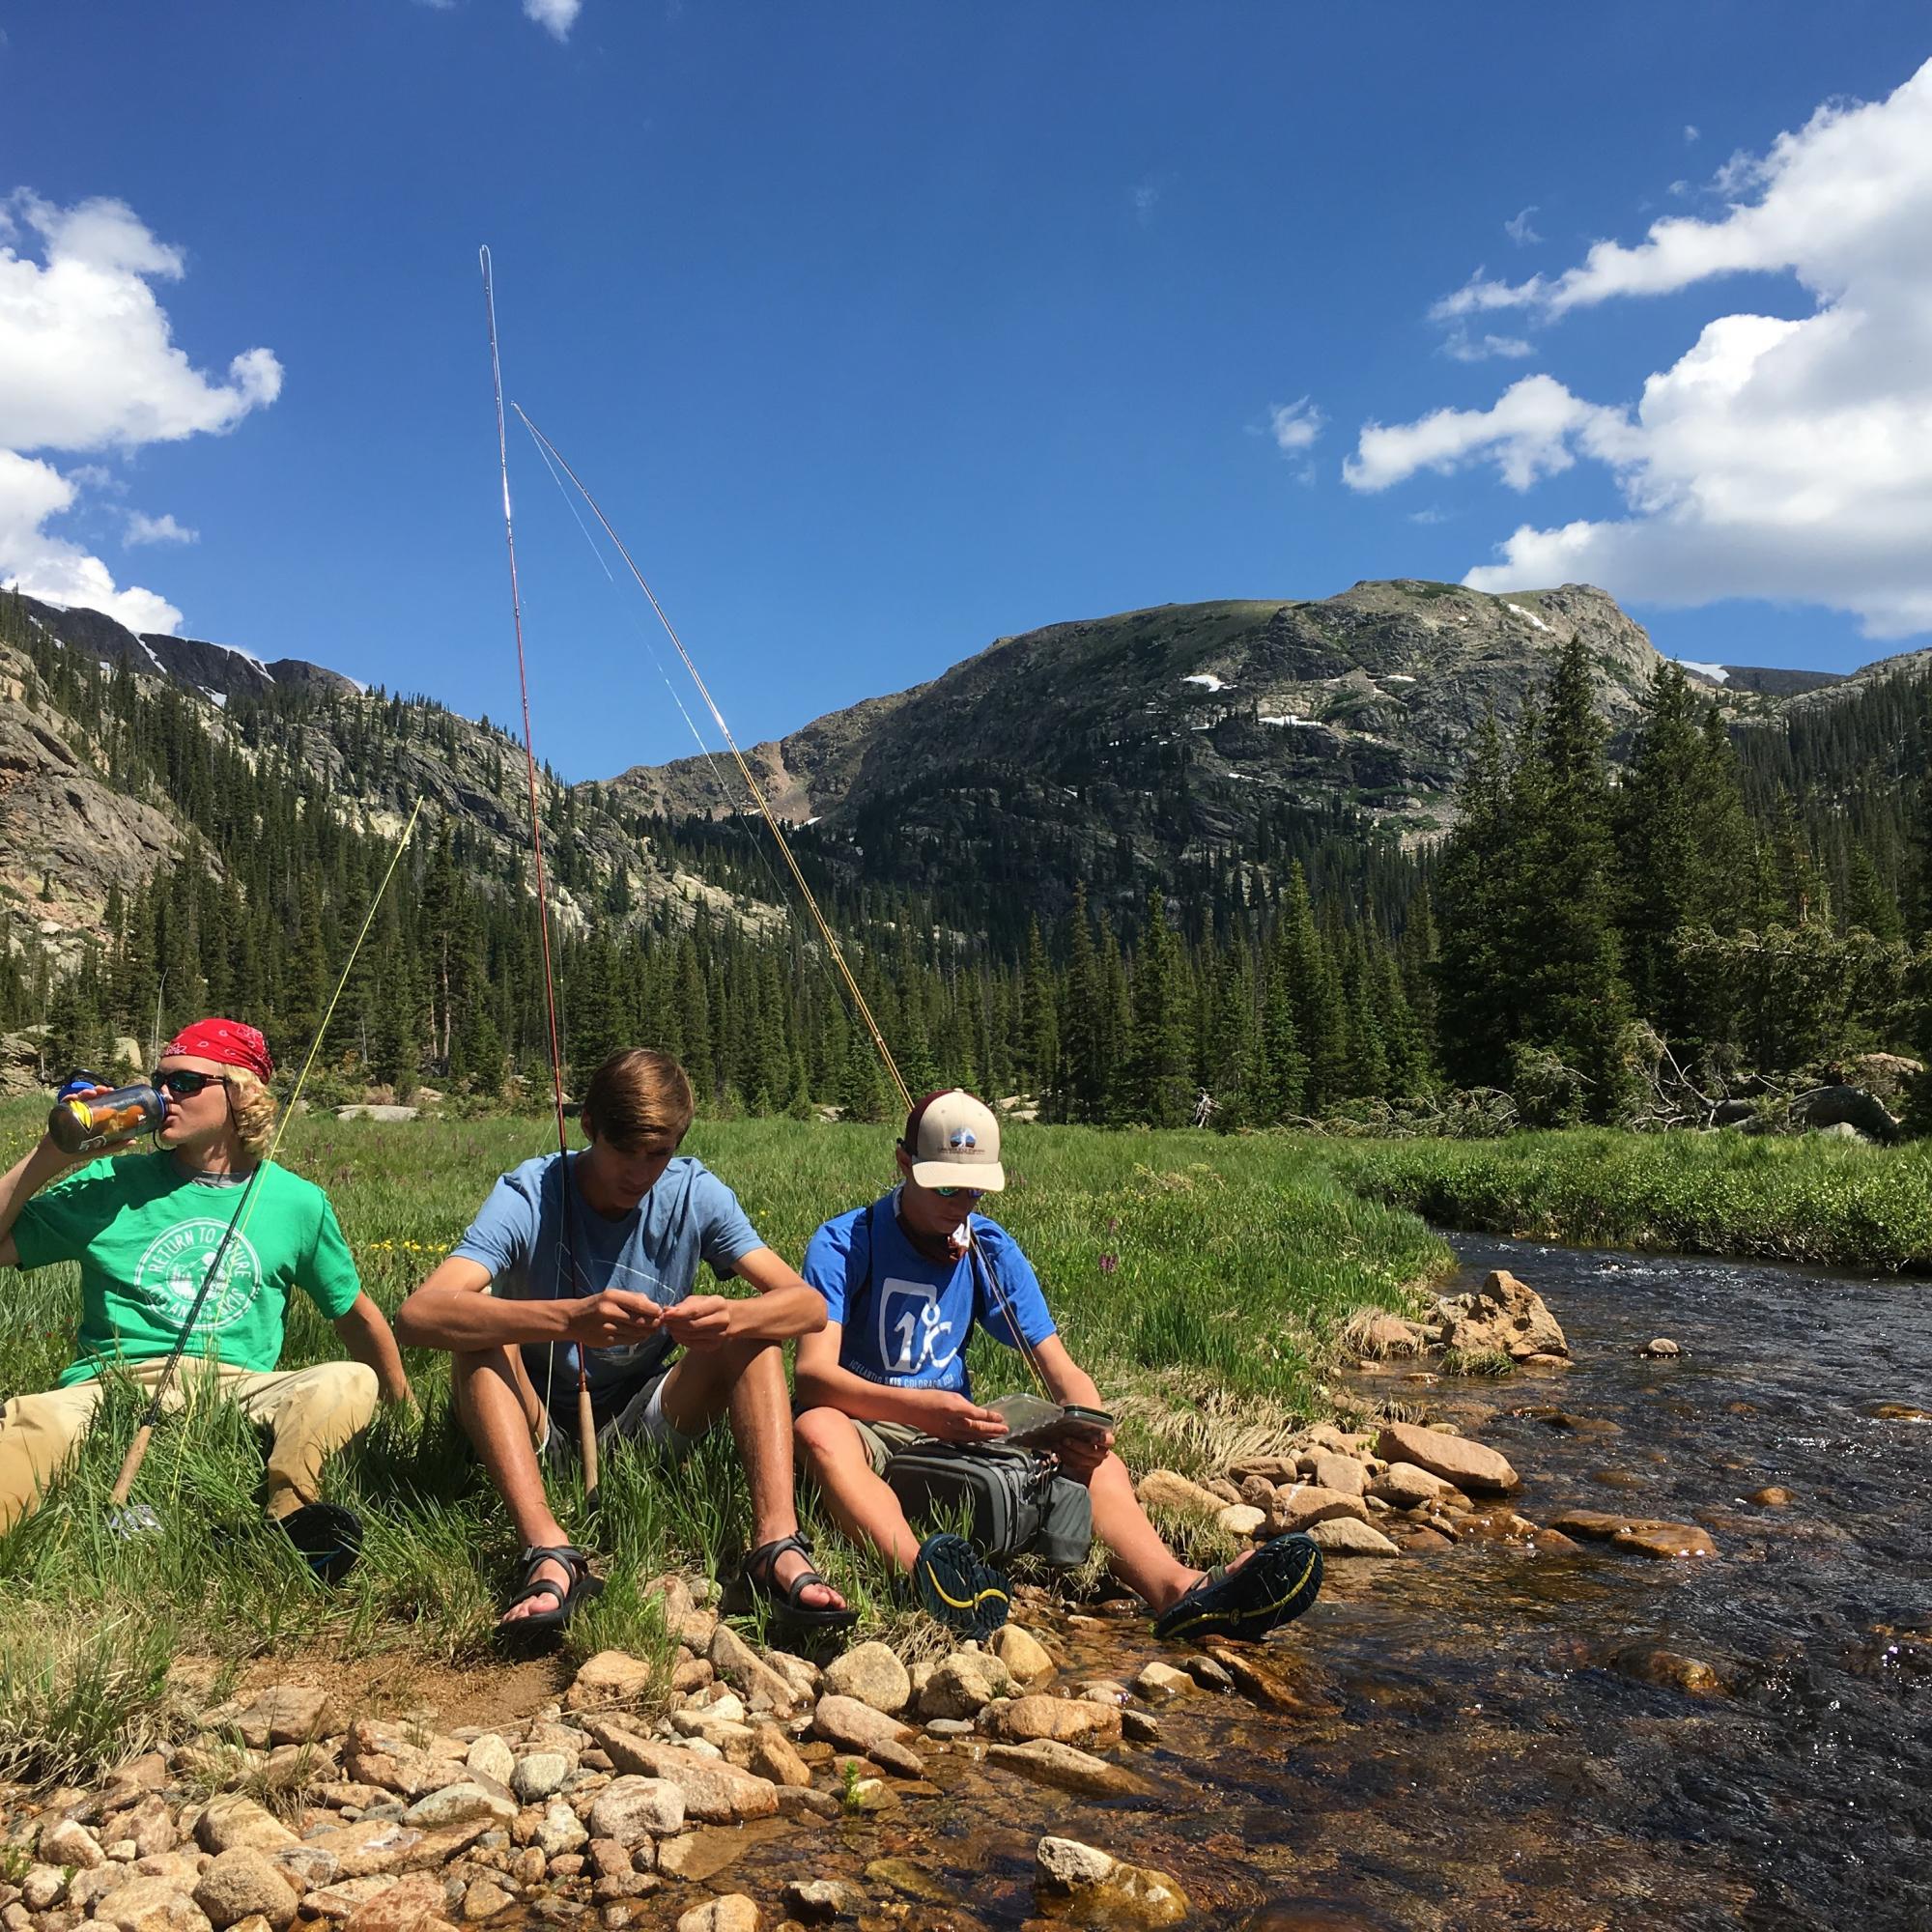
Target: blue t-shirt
pixel 688 1217
pixel 909 1327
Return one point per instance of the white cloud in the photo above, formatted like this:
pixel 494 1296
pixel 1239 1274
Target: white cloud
pixel 1778 457
pixel 1295 426
pixel 1463 347
pixel 88 363
pixel 558 16
pixel 163 529
pixel 1519 230
pixel 1693 133
pixel 1144 197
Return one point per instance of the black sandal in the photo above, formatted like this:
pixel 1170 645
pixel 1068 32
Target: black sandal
pixel 563 1600
pixel 759 1573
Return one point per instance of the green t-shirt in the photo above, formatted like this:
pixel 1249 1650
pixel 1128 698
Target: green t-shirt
pixel 144 1233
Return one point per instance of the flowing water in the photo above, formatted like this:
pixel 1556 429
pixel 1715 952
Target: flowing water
pixel 1488 1737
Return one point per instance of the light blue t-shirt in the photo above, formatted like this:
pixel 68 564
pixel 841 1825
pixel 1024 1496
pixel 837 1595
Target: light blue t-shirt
pixel 519 1235
pixel 907 1320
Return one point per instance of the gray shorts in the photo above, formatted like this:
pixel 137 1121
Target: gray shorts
pixel 882 1440
pixel 641 1419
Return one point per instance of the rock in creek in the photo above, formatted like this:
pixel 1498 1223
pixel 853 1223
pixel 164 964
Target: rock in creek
pixel 961 1684
pixel 1166 1489
pixel 819 1901
pixel 1504 1314
pixel 1107 1890
pixel 1069 1770
pixel 1644 1535
pixel 1468 1465
pixel 1023 1654
pixel 714 1793
pixel 1066 1720
pixel 631 1809
pixel 733 1913
pixel 850 1725
pixel 1344 1536
pixel 873 1673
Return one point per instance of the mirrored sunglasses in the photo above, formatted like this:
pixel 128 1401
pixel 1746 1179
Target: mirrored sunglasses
pixel 185 1083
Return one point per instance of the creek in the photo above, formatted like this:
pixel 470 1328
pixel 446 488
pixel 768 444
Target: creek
pixel 1488 1736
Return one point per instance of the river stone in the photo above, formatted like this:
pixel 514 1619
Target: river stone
pixel 150 1905
pixel 1504 1315
pixel 1302 1507
pixel 492 1757
pixel 540 1775
pixel 1022 1653
pixel 484 1900
pixel 1662 1347
pixel 373 1845
pixel 1343 1536
pixel 714 1793
pixel 1669 1670
pixel 1466 1465
pixel 289 1714
pixel 800 1674
pixel 1407 1485
pixel 1164 1489
pixel 1241 1519
pixel 871 1673
pixel 1066 1769
pixel 44 1888
pixel 232 1822
pixel 850 1725
pixel 733 1913
pixel 67 1842
pixel 818 1901
pixel 1646 1536
pixel 1772 1497
pixel 1383 1335
pixel 774 1755
pixel 459 1802
pixel 963 1684
pixel 1066 1720
pixel 1107 1890
pixel 560 1832
pixel 1343 1474
pixel 404 1760
pixel 747 1672
pixel 1160 1682
pixel 606 1679
pixel 630 1809
pixel 241 1882
pixel 406 1905
pixel 909 1880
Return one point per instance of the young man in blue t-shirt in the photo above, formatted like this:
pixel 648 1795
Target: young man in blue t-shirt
pixel 902 1296
pixel 593 1257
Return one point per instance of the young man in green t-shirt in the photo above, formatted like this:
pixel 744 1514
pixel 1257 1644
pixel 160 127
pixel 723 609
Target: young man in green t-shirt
pixel 146 1227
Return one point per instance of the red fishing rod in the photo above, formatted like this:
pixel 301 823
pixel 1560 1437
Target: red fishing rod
pixel 586 1421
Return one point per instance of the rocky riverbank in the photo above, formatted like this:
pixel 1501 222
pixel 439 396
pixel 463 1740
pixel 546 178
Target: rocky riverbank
pixel 629 1798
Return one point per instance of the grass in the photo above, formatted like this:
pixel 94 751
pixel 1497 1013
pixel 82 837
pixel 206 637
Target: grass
pixel 1810 1200
pixel 1202 1281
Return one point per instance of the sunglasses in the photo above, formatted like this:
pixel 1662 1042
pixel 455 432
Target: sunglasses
pixel 953 1193
pixel 185 1083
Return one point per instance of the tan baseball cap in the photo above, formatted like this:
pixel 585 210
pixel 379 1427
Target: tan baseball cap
pixel 955 1142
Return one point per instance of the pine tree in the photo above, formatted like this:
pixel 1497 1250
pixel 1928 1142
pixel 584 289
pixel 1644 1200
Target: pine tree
pixel 1159 1091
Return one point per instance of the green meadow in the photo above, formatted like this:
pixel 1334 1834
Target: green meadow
pixel 1202 1281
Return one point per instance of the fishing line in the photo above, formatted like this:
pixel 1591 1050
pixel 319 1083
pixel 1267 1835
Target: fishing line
pixel 773 825
pixel 586 1425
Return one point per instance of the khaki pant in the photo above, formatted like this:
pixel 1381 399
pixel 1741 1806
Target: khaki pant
pixel 309 1414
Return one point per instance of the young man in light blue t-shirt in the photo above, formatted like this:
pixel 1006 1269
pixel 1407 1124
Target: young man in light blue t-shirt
pixel 905 1282
pixel 593 1257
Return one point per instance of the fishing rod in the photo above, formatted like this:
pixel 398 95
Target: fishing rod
pixel 121 1519
pixel 586 1420
pixel 773 824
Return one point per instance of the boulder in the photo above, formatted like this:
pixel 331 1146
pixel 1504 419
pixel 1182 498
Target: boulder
pixel 1343 1536
pixel 1165 1490
pixel 1067 1768
pixel 1407 1485
pixel 1457 1461
pixel 963 1684
pixel 1302 1507
pixel 1241 1519
pixel 1104 1890
pixel 1022 1653
pixel 774 1755
pixel 65 1842
pixel 748 1673
pixel 608 1679
pixel 819 1901
pixel 714 1793
pixel 873 1674
pixel 800 1674
pixel 1504 1315
pixel 401 1758
pixel 150 1905
pixel 408 1905
pixel 1343 1474
pixel 1661 1347
pixel 733 1913
pixel 1645 1536
pixel 289 1714
pixel 633 1809
pixel 232 1822
pixel 484 1899
pixel 560 1831
pixel 1066 1720
pixel 491 1756
pixel 541 1774
pixel 459 1802
pixel 1160 1682
pixel 242 1882
pixel 847 1724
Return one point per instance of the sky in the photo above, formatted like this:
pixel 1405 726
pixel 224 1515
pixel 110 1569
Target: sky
pixel 883 331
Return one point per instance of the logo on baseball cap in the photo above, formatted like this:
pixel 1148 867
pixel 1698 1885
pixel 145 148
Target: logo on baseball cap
pixel 955 1142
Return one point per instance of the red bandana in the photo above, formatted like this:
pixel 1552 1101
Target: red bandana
pixel 227 1042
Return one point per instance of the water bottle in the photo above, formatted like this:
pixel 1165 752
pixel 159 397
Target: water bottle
pixel 85 1123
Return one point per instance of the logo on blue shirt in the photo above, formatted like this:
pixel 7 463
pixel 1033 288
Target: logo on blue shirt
pixel 915 1339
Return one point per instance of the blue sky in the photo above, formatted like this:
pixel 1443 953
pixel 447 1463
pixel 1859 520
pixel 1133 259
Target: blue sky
pixel 884 330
